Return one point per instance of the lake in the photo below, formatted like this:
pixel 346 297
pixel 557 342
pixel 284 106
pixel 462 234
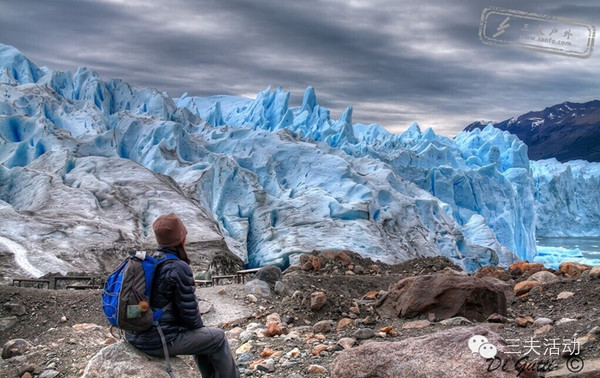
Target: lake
pixel 553 251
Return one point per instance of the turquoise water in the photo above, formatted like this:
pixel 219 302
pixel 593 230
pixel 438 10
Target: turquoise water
pixel 553 251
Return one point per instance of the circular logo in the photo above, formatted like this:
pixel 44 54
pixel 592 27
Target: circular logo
pixel 488 350
pixel 575 364
pixel 476 341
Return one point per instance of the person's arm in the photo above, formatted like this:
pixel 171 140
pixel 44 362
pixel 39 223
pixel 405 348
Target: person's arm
pixel 185 298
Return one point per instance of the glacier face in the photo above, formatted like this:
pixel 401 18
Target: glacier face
pixel 276 181
pixel 567 198
pixel 256 177
pixel 484 172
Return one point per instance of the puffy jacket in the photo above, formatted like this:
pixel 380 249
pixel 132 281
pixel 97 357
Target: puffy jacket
pixel 172 289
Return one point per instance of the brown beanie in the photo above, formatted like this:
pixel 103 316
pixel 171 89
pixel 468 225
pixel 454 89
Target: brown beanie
pixel 169 230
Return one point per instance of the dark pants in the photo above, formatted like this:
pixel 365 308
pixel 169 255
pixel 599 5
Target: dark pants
pixel 210 349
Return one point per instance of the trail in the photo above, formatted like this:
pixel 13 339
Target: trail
pixel 21 257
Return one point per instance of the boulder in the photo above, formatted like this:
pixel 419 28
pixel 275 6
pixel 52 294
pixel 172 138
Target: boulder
pixel 525 268
pixel 572 269
pixel 595 272
pixel 492 271
pixel 343 258
pixel 443 354
pixel 524 287
pixel 17 309
pixel 324 326
pixel 317 300
pixel 123 360
pixel 444 296
pixel 15 347
pixel 7 322
pixel 270 274
pixel 543 276
pixel 258 288
pixel 281 289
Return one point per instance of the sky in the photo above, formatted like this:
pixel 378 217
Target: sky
pixel 395 61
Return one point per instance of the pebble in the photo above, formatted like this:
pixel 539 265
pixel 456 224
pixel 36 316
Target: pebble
pixel 317 369
pixel 324 326
pixel 564 321
pixel 343 323
pixel 273 330
pixel 565 295
pixel 543 329
pixel 267 365
pixel 267 353
pixel 586 340
pixel 539 322
pixel 417 324
pixel 497 318
pixel 246 336
pixel 524 322
pixel 346 342
pixel 293 353
pixel 318 349
pixel 317 300
pixel 273 318
pixel 50 373
pixel 245 357
pixel 244 348
pixel 456 321
pixel 364 333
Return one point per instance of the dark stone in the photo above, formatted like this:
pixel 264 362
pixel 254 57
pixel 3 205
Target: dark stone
pixel 15 347
pixel 445 296
pixel 269 274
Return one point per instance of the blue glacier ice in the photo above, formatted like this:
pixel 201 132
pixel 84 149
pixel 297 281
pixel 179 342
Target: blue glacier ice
pixel 485 172
pixel 266 180
pixel 567 198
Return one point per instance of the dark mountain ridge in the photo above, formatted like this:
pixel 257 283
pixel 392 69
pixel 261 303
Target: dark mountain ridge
pixel 568 131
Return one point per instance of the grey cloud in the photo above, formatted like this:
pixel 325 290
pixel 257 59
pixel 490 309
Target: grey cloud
pixel 394 61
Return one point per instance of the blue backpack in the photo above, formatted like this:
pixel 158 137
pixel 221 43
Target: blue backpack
pixel 126 294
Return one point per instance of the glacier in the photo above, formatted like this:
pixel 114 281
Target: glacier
pixel 567 198
pixel 87 164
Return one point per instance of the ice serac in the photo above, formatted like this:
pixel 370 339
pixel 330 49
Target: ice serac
pixel 480 173
pixel 567 198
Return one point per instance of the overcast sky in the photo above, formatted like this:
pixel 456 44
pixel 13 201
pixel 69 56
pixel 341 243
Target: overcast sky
pixel 394 61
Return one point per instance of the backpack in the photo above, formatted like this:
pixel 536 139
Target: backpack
pixel 126 294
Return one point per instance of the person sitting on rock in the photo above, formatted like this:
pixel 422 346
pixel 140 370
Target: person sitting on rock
pixel 173 290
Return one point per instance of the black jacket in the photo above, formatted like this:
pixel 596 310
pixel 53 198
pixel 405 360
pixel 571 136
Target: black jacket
pixel 172 289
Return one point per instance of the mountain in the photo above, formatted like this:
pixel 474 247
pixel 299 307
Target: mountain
pixel 568 131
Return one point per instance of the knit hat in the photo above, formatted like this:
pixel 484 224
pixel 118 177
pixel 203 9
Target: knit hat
pixel 169 230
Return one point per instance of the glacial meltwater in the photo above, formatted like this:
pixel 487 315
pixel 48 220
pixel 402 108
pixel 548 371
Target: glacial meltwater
pixel 553 251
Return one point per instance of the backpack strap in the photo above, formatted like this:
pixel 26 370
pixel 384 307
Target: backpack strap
pixel 158 314
pixel 165 349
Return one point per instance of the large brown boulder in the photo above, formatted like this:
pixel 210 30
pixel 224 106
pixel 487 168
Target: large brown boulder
pixel 492 271
pixel 572 269
pixel 444 354
pixel 445 296
pixel 525 268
